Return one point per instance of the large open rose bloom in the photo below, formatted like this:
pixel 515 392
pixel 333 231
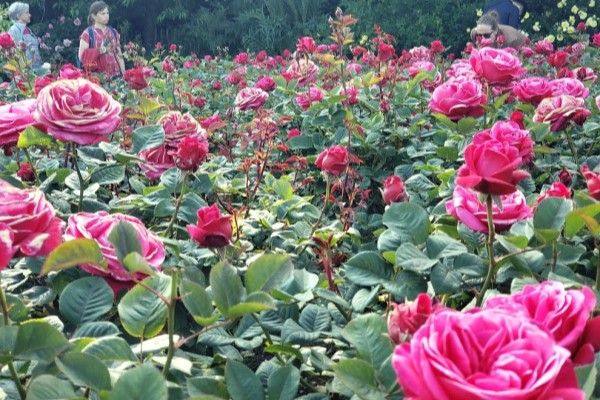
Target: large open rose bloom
pixel 31 218
pixel 97 226
pixel 572 87
pixel 14 119
pixel 559 110
pixel 564 314
pixel 532 90
pixel 250 98
pixel 508 132
pixel 77 110
pixel 485 355
pixel 459 98
pixel 496 66
pixel 178 125
pixel 468 209
pixel 157 160
pixel 305 71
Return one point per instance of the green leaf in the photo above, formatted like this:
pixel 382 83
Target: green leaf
pixel 409 221
pixel 197 302
pixel 32 136
pixel 38 340
pixel 135 262
pixel 368 334
pixel 242 383
pixel 442 246
pixel 314 318
pixel 407 285
pixel 550 217
pixel 254 303
pixel 409 257
pixel 283 383
pixel 367 268
pixel 48 387
pixel 284 349
pixel 226 286
pixel 199 386
pixel 84 370
pixel 73 253
pixel 124 239
pixel 269 271
pixel 359 377
pixel 108 175
pixel 586 375
pixel 140 383
pixel 110 349
pixel 97 329
pixel 584 216
pixel 147 137
pixel 142 313
pixel 85 300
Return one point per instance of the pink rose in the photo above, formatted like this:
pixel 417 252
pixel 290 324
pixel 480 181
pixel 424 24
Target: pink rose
pixel 562 313
pixel 487 355
pixel 168 66
pixel 569 86
pixel 306 45
pixel 156 161
pixel 557 189
pixel 7 250
pixel 333 160
pixel 496 65
pixel 508 132
pixel 420 66
pixel 355 68
pixel 305 71
pixel 14 119
pixel 41 82
pixel 544 47
pixel 461 69
pixel 351 96
pixel 585 74
pixel 78 111
pixel 32 219
pixel 212 123
pixel 592 180
pixel 266 83
pixel 405 319
pixel 532 90
pixel 420 53
pixel 491 167
pixel 6 41
pixel 212 229
pixel 393 190
pixel 98 226
pixel 69 71
pixel 458 98
pixel 559 110
pixel 177 126
pixel 466 207
pixel 250 99
pixel 596 40
pixel 292 133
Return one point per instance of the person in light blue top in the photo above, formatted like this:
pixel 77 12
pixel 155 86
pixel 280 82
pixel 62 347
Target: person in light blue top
pixel 23 36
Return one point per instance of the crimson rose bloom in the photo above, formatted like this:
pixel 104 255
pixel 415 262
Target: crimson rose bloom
pixel 407 318
pixel 385 51
pixel 266 83
pixel 77 110
pixel 557 189
pixel 41 82
pixel 508 132
pixel 191 152
pixel 69 71
pixel 250 98
pixel 491 167
pixel 306 44
pixel 592 180
pixel 532 90
pixel 6 41
pixel 36 228
pixel 458 98
pixel 333 160
pixel 14 119
pixel 213 229
pixel 559 110
pixel 393 190
pixel 558 59
pixel 497 66
pixel 137 78
pixel 484 355
pixel 25 172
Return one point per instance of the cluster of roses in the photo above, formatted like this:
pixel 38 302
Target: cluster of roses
pixel 522 346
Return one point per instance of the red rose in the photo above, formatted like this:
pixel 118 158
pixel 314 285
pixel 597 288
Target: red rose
pixel 557 189
pixel 333 160
pixel 306 44
pixel 518 118
pixel 532 90
pixel 241 58
pixel 25 172
pixel 6 41
pixel 393 190
pixel 585 74
pixel 212 123
pixel 407 318
pixel 437 47
pixel 168 66
pixel 491 167
pixel 212 229
pixel 544 47
pixel 385 51
pixel 596 40
pixel 558 59
pixel 559 110
pixel 565 177
pixel 199 102
pixel 292 133
pixel 592 180
pixel 191 152
pixel 41 82
pixel 69 71
pixel 581 27
pixel 495 65
pixel 266 83
pixel 137 77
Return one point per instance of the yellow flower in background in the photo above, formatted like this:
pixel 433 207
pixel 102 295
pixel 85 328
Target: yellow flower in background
pixel 582 15
pixel 592 3
pixel 479 12
pixel 550 38
pixel 574 9
pixel 536 26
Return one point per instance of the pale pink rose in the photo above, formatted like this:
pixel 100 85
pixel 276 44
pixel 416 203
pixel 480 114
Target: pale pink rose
pixel 7 250
pixel 36 228
pixel 355 68
pixel 14 119
pixel 532 90
pixel 177 126
pixel 585 74
pixel 461 69
pixel 466 207
pixel 156 161
pixel 458 98
pixel 250 98
pixel 508 132
pixel 484 355
pixel 78 111
pixel 559 110
pixel 305 71
pixel 569 86
pixel 420 53
pixel 496 65
pixel 98 226
pixel 420 66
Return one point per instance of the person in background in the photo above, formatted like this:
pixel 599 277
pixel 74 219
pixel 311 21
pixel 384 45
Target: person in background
pixel 100 44
pixel 509 12
pixel 24 38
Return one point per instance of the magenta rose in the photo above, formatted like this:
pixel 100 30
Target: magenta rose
pixel 77 110
pixel 592 180
pixel 496 65
pixel 69 71
pixel 333 160
pixel 484 355
pixel 177 126
pixel 458 98
pixel 156 161
pixel 98 226
pixel 420 66
pixel 191 152
pixel 14 119
pixel 559 110
pixel 250 98
pixel 466 207
pixel 557 189
pixel 36 228
pixel 508 132
pixel 266 83
pixel 532 90
pixel 491 167
pixel 7 250
pixel 461 69
pixel 570 86
pixel 564 314
pixel 212 229
pixel 405 319
pixel 393 190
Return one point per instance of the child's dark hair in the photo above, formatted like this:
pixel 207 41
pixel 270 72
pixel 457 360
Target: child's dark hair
pixel 95 8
